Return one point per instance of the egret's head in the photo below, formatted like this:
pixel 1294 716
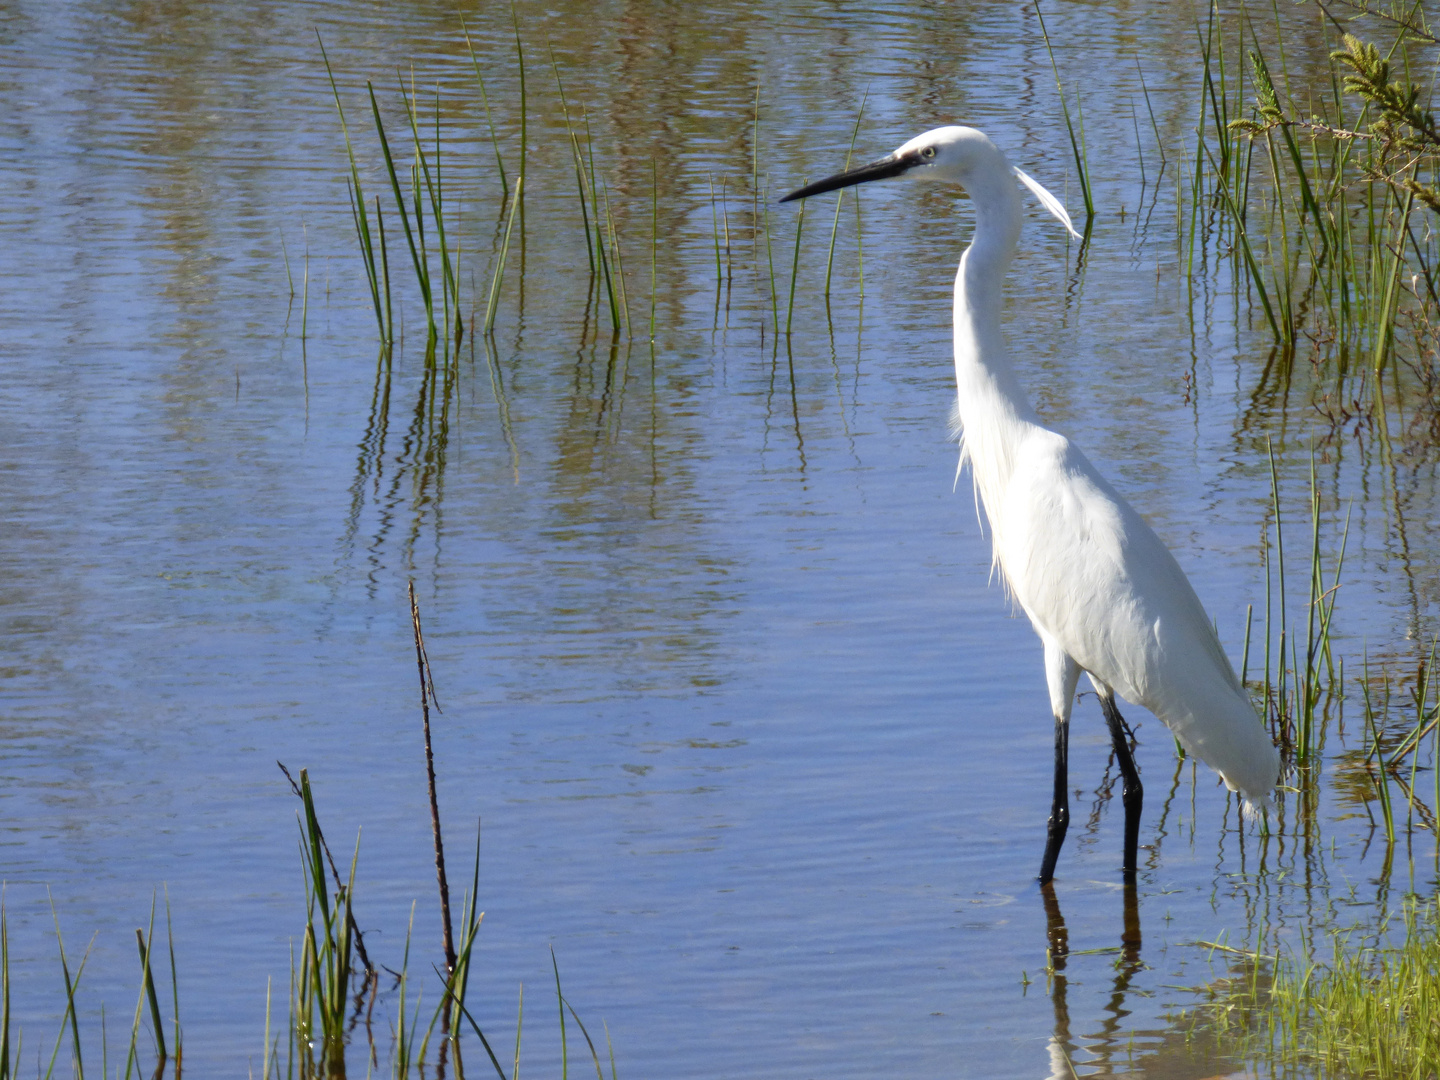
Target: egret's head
pixel 951 154
pixel 956 154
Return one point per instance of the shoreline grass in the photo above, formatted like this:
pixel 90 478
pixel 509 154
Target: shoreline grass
pixel 1369 1008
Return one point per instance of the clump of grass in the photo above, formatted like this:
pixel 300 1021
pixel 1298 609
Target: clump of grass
pixel 1395 737
pixel 326 962
pixel 1326 240
pixel 1369 1009
pixel 71 1018
pixel 333 988
pixel 361 220
pixel 1302 675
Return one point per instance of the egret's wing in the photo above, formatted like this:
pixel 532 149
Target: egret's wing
pixel 1089 571
pixel 1096 579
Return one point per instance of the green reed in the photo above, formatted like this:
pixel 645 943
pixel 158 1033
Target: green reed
pixel 578 162
pixel 435 191
pixel 794 268
pixel 285 256
pixel 1077 138
pixel 715 233
pixel 418 262
pixel 524 118
pixel 1426 712
pixel 596 246
pixel 305 288
pixel 1316 200
pixel 327 950
pixel 1404 735
pixel 8 1067
pixel 770 259
pixel 407 1020
pixel 357 197
pixel 71 1018
pixel 1370 1008
pixel 328 991
pixel 1380 776
pixel 494 299
pixel 388 322
pixel 655 236
pixel 1301 674
pixel 840 199
pixel 616 256
pixel 459 980
pixel 485 102
pixel 148 985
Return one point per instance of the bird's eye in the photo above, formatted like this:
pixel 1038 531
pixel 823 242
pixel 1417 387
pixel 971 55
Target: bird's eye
pixel 928 152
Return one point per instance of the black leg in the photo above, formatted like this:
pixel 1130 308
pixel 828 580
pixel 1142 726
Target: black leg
pixel 1132 793
pixel 1059 804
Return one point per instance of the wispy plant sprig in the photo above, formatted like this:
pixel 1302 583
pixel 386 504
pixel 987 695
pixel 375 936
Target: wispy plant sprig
pixel 1402 128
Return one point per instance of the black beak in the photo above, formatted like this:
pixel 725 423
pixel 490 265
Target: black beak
pixel 886 167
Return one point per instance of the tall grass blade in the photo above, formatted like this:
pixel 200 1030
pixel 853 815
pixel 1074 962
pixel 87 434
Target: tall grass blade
pixel 1076 144
pixel 144 941
pixel 1381 778
pixel 489 121
pixel 715 233
pixel 435 191
pixel 655 235
pixel 840 199
pixel 362 225
pixel 594 1055
pixel 794 270
pixel 579 162
pixel 494 299
pixel 72 986
pixel 422 270
pixel 619 261
pixel 560 1003
pixel 6 1070
pixel 524 118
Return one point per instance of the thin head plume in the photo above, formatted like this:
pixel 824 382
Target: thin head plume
pixel 1050 202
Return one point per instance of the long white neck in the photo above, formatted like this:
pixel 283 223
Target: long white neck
pixel 993 410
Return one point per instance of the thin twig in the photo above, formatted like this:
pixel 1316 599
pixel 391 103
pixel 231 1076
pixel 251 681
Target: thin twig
pixel 427 695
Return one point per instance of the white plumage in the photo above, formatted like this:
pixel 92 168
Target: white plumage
pixel 1102 591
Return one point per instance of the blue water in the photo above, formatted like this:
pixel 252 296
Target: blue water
pixel 760 749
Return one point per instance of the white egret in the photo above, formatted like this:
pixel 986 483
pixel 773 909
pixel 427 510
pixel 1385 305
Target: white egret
pixel 1101 589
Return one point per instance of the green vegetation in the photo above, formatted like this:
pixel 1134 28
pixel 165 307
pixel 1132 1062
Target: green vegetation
pixel 1369 1009
pixel 1074 128
pixel 1317 204
pixel 334 990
